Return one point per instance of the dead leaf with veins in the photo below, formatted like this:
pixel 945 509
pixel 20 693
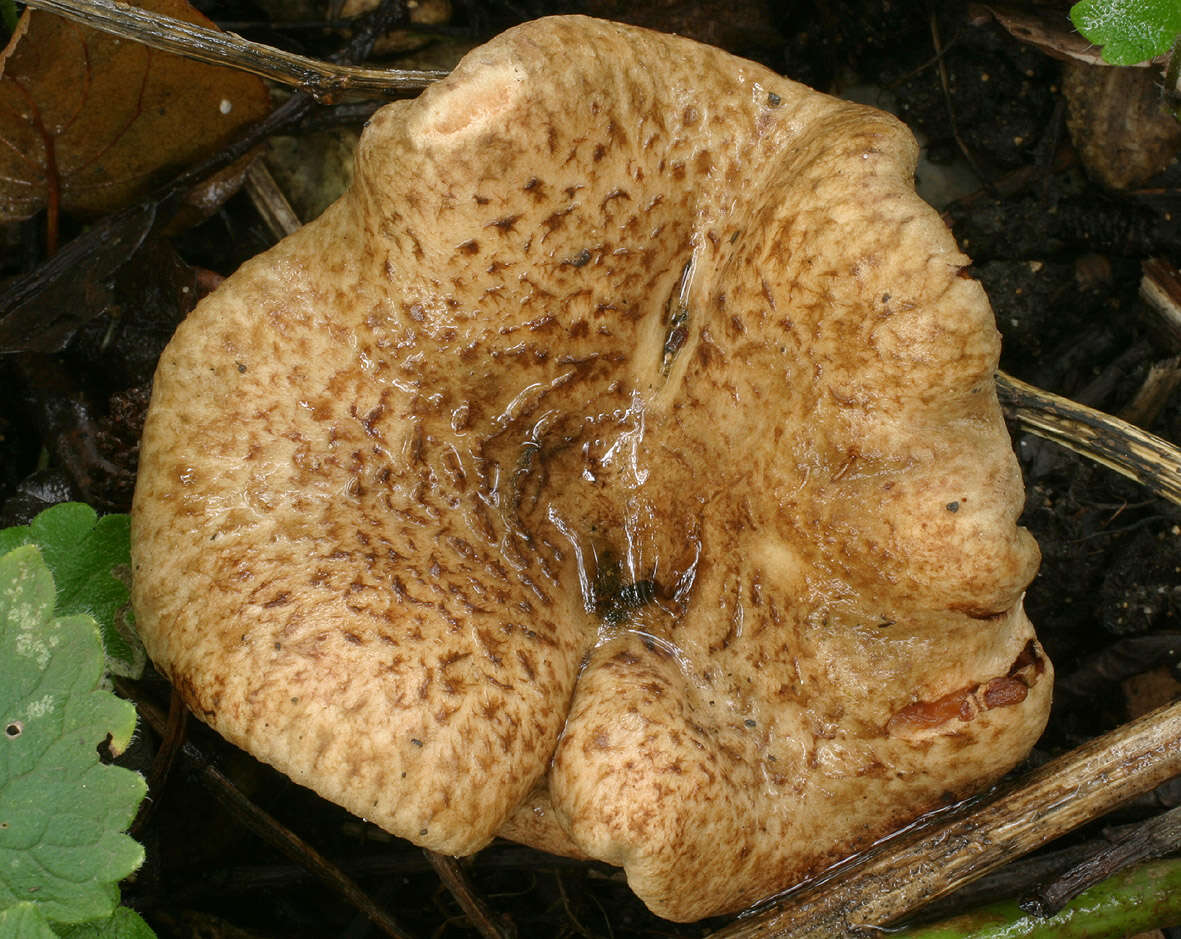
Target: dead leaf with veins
pixel 89 122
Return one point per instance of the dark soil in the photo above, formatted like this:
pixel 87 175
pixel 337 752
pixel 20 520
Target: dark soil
pixel 1059 255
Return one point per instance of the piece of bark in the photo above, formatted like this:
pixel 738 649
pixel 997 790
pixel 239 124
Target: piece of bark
pixel 1152 839
pixel 1120 127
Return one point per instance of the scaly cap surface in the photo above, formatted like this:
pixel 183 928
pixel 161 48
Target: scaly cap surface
pixel 616 467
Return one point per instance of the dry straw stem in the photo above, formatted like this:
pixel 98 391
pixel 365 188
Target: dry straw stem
pixel 269 201
pixel 1160 289
pixel 929 862
pixel 1118 445
pixel 320 79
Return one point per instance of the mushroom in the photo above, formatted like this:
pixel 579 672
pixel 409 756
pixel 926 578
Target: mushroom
pixel 616 467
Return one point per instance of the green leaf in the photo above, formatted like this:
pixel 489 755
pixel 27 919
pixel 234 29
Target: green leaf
pixel 62 811
pixel 8 16
pixel 90 559
pixel 123 924
pixel 1129 31
pixel 25 921
pixel 1133 901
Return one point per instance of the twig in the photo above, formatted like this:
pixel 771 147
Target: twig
pixel 322 80
pixel 1158 386
pixel 945 84
pixel 283 839
pixel 1118 445
pixel 1005 883
pixel 171 739
pixel 919 866
pixel 377 22
pixel 1013 880
pixel 1160 288
pixel 265 825
pixel 401 859
pixel 270 202
pixel 486 923
pixel 38 309
pixel 1152 839
pixel 569 910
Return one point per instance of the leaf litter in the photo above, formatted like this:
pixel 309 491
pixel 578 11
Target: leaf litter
pixel 89 122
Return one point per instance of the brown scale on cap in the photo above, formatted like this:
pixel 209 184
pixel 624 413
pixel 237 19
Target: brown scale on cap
pixel 616 467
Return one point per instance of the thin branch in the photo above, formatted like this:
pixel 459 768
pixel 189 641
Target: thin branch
pixel 945 84
pixel 265 825
pixel 399 860
pixel 1118 445
pixel 931 861
pixel 322 80
pixel 1160 288
pixel 455 879
pixel 270 202
pixel 1152 839
pixel 172 736
pixel 1005 883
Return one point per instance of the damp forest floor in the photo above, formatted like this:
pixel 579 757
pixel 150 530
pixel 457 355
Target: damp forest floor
pixel 1014 174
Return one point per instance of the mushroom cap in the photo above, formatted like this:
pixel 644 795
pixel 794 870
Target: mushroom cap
pixel 616 467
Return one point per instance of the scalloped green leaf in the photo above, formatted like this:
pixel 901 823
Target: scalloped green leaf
pixel 25 921
pixel 90 559
pixel 1129 31
pixel 62 811
pixel 123 924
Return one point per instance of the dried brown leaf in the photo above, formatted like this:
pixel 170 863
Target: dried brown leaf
pixel 92 121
